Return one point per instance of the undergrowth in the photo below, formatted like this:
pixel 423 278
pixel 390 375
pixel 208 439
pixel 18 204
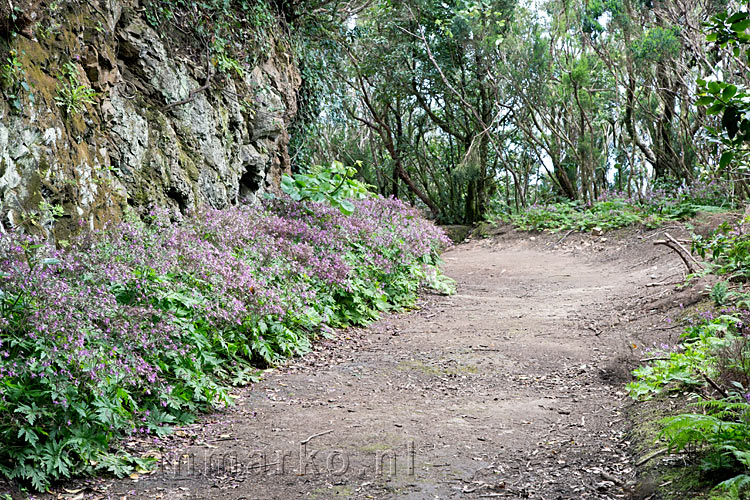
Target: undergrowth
pixel 138 327
pixel 616 210
pixel 710 366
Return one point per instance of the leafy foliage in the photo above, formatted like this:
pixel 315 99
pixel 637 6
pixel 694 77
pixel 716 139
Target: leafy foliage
pixel 657 43
pixel 721 97
pixel 723 434
pixel 729 249
pixel 335 185
pixel 13 82
pixel 714 357
pixel 683 367
pixel 137 327
pixel 470 107
pixel 237 32
pixel 613 211
pixel 72 95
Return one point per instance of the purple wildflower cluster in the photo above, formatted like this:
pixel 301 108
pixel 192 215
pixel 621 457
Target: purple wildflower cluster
pixel 138 325
pixel 661 349
pixel 737 320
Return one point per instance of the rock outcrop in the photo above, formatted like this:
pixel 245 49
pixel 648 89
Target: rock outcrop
pixel 163 128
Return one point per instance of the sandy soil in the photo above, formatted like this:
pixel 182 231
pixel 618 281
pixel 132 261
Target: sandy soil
pixel 512 388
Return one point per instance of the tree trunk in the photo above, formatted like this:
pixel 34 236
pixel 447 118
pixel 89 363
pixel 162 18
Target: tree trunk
pixel 470 203
pixel 394 181
pixel 404 175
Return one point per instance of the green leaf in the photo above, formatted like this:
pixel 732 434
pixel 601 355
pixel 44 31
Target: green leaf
pixel 717 108
pixel 726 159
pixel 346 207
pixel 287 184
pixel 736 17
pixel 729 91
pixel 28 435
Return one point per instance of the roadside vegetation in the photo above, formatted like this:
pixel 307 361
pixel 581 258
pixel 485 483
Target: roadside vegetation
pixel 709 369
pixel 141 326
pixel 616 210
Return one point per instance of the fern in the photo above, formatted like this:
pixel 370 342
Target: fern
pixel 719 293
pixel 690 428
pixel 721 436
pixel 725 408
pixel 736 485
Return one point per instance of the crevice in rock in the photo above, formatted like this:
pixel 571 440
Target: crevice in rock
pixel 179 198
pixel 249 184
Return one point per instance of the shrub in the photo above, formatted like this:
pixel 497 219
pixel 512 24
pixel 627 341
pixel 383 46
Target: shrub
pixel 708 343
pixel 606 215
pixel 13 82
pixel 729 249
pixel 616 210
pixel 335 185
pixel 139 326
pixel 714 351
pixel 713 362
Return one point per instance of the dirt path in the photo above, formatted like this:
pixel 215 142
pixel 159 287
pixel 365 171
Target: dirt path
pixel 511 388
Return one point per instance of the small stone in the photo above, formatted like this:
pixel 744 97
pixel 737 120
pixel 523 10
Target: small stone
pixel 604 485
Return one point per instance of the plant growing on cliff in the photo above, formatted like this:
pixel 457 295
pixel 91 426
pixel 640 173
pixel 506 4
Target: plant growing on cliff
pixel 72 95
pixel 238 32
pixel 224 61
pixel 13 81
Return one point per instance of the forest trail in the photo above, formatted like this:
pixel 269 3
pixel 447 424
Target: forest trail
pixel 513 388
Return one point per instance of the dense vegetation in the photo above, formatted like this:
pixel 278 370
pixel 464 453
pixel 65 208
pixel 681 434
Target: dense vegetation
pixel 474 109
pixel 557 115
pixel 710 367
pixel 616 210
pixel 137 327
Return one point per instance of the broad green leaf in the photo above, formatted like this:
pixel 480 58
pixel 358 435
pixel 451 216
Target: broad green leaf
pixel 726 159
pixel 736 17
pixel 717 108
pixel 346 207
pixel 729 91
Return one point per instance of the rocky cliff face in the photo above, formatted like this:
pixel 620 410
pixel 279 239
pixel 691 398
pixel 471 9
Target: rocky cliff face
pixel 162 128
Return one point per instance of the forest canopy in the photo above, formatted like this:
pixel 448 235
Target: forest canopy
pixel 473 108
